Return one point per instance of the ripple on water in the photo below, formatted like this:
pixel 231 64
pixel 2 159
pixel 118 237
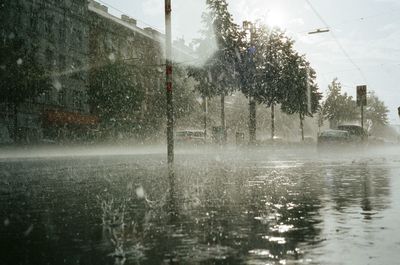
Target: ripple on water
pixel 282 228
pixel 275 239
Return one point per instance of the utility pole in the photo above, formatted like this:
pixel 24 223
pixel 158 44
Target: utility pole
pixel 170 111
pixel 362 116
pixel 361 101
pixel 205 110
pixel 168 83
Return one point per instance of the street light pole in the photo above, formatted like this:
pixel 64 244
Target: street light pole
pixel 168 83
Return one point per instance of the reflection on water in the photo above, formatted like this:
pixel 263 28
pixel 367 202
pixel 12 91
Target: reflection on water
pixel 121 211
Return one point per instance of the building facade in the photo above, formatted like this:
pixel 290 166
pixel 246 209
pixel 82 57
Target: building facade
pixel 55 32
pixel 70 39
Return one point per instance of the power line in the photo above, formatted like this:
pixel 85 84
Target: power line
pixel 336 40
pixel 360 19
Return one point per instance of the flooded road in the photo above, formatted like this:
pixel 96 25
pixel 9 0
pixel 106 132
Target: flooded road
pixel 226 207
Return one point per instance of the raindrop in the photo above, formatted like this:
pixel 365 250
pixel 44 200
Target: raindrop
pixel 6 222
pixel 111 56
pixel 140 192
pixel 29 230
pixel 19 61
pixel 57 85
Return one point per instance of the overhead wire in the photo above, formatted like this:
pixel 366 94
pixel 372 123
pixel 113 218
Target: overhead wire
pixel 358 19
pixel 337 41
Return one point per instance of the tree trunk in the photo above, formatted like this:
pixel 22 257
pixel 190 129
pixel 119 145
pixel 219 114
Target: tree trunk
pixel 272 121
pixel 223 124
pixel 252 120
pixel 15 109
pixel 205 110
pixel 301 127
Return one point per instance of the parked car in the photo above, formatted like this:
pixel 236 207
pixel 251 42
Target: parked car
pixel 357 133
pixel 334 137
pixel 190 136
pixel 309 140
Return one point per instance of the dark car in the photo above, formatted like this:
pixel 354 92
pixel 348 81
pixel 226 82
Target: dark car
pixel 334 137
pixel 357 133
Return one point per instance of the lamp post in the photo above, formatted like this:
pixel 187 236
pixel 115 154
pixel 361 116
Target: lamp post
pixel 168 84
pixel 248 26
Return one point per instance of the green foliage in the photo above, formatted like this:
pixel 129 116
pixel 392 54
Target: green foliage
pixel 338 107
pixel 273 72
pixel 301 94
pixel 267 68
pixel 204 85
pixel 21 76
pixel 270 74
pixel 131 100
pixel 376 111
pixel 116 95
pixel 217 75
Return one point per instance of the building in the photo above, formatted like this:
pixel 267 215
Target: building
pixel 119 40
pixel 113 39
pixel 69 39
pixel 55 32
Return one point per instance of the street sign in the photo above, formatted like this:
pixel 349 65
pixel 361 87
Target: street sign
pixel 361 95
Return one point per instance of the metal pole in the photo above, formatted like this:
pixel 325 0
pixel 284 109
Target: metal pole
pixel 205 116
pixel 223 122
pixel 168 72
pixel 170 111
pixel 362 115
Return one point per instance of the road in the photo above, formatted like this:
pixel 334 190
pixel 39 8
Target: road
pixel 228 206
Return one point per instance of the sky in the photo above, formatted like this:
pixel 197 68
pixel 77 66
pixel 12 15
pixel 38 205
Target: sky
pixel 362 47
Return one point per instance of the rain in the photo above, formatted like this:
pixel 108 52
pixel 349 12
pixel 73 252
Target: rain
pixel 215 138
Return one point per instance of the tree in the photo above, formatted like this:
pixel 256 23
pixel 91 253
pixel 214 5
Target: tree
pixel 125 107
pixel 301 95
pixel 204 86
pixel 247 69
pixel 272 49
pixel 217 75
pixel 376 112
pixel 22 77
pixel 338 107
pixel 115 95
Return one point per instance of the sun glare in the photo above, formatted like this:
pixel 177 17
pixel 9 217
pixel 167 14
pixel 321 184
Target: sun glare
pixel 275 18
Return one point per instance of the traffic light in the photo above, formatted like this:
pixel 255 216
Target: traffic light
pixel 398 111
pixel 361 95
